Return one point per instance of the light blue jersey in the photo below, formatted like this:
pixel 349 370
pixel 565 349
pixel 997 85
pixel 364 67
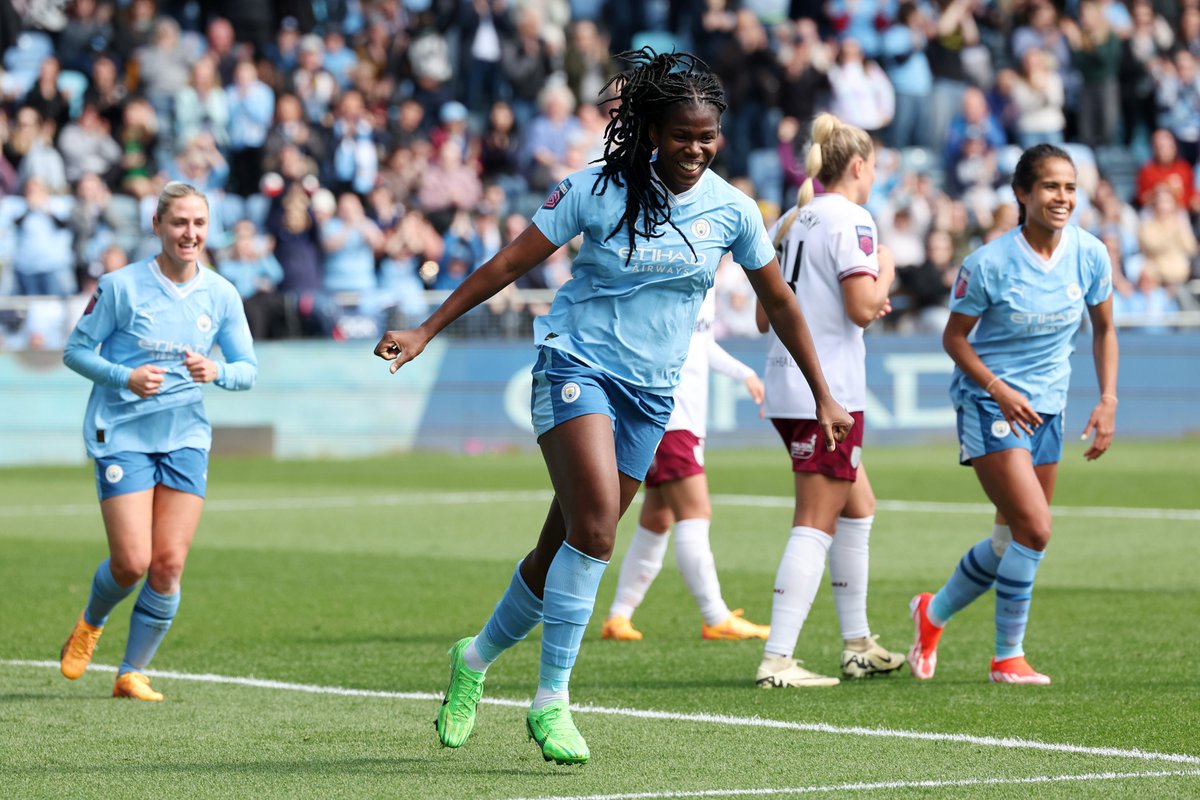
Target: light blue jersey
pixel 1029 310
pixel 635 320
pixel 138 316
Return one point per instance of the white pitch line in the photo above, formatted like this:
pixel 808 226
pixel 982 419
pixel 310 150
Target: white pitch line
pixel 330 502
pixel 868 787
pixel 1011 743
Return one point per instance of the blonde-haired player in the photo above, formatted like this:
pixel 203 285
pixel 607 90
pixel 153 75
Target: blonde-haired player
pixel 831 259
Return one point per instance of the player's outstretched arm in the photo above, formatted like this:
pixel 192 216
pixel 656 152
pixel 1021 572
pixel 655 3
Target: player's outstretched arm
pixel 521 255
pixel 781 309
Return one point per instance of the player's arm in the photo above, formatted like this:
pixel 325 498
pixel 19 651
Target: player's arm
pixel 1104 354
pixel 866 295
pixel 781 309
pixel 99 321
pixel 1014 405
pixel 720 360
pixel 521 255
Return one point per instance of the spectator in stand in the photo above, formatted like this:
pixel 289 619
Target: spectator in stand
pixel 449 185
pixel 95 225
pixel 355 162
pixel 1041 30
pixel 255 272
pixel 429 63
pixel 862 93
pixel 954 30
pixel 1142 302
pixel 805 87
pixel 251 109
pixel 500 150
pixel 1179 103
pixel 293 226
pixel 164 68
pixel 88 32
pixel 310 81
pixel 350 241
pixel 339 59
pixel 284 51
pixel 42 248
pixel 486 25
pixel 203 106
pixel 1096 53
pixel 547 137
pixel 134 29
pixel 528 61
pixel 974 121
pixel 1165 167
pixel 903 57
pixel 223 49
pixel 1189 27
pixel 1114 217
pixel 588 63
pixel 34 151
pixel 1167 241
pixel 1149 41
pixel 453 126
pixel 412 242
pixel 139 141
pixel 46 98
pixel 750 72
pixel 107 93
pixel 291 129
pixel 925 287
pixel 87 146
pixel 1038 99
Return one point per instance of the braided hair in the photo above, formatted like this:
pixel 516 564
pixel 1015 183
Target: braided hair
pixel 655 83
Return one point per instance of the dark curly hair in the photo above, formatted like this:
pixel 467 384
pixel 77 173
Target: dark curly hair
pixel 654 83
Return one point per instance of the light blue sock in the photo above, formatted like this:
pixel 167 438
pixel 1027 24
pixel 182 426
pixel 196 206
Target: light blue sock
pixel 152 615
pixel 1014 592
pixel 105 595
pixel 518 612
pixel 974 575
pixel 571 585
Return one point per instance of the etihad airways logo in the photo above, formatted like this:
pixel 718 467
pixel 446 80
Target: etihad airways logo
pixel 657 259
pixel 1046 318
pixel 167 348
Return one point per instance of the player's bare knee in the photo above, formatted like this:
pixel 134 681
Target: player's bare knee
pixel 127 568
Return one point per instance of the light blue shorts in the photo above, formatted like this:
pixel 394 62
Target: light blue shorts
pixel 185 470
pixel 982 429
pixel 565 388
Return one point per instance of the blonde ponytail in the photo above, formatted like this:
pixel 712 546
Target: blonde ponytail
pixel 823 129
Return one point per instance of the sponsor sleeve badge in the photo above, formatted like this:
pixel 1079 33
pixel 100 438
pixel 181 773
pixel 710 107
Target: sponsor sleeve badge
pixel 866 238
pixel 558 194
pixel 92 303
pixel 961 283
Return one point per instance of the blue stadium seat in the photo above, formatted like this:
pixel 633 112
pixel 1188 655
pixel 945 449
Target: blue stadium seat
pixel 1120 167
pixel 765 171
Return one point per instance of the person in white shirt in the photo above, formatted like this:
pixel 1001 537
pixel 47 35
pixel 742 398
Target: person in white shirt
pixel 677 494
pixel 832 261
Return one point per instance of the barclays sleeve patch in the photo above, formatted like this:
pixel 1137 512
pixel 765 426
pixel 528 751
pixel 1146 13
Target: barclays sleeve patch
pixel 558 194
pixel 961 283
pixel 866 238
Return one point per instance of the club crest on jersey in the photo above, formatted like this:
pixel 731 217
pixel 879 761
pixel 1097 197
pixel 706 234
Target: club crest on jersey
pixel 92 303
pixel 558 194
pixel 204 323
pixel 570 392
pixel 803 451
pixel 701 229
pixel 961 283
pixel 866 238
pixel 1074 292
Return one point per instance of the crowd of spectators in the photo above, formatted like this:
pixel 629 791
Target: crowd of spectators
pixel 359 153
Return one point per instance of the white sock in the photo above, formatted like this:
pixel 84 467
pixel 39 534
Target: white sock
pixel 849 559
pixel 474 660
pixel 544 697
pixel 639 568
pixel 796 584
pixel 694 557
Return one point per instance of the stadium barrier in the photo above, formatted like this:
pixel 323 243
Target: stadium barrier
pixel 317 399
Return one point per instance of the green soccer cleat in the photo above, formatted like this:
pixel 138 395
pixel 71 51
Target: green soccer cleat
pixel 456 717
pixel 553 729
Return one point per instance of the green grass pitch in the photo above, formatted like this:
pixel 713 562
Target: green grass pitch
pixel 358 575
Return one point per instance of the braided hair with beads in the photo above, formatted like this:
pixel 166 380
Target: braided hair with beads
pixel 644 93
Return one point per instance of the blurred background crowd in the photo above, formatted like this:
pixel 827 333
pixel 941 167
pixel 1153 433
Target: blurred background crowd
pixel 361 157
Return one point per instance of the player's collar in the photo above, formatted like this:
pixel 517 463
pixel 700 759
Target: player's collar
pixel 1046 264
pixel 682 198
pixel 172 288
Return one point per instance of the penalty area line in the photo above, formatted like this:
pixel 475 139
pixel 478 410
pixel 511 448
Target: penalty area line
pixel 1010 743
pixel 876 786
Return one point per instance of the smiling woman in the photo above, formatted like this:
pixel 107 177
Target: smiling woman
pixel 655 224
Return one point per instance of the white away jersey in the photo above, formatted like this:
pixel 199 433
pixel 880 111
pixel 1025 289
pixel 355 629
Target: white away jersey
pixel 632 314
pixel 830 240
pixel 691 396
pixel 1029 311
